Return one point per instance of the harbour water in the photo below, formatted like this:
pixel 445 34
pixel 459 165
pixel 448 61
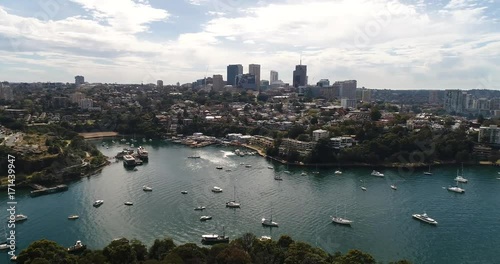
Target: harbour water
pixel 468 229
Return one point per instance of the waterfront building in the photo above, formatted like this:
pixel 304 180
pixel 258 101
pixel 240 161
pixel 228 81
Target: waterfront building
pixel 79 80
pixel 490 135
pixel 302 147
pixel 232 72
pixel 255 70
pixel 319 134
pixel 261 141
pixel 341 142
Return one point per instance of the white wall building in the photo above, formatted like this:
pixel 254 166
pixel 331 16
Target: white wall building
pixel 489 135
pixel 319 134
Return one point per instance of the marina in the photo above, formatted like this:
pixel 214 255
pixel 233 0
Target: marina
pixel 383 223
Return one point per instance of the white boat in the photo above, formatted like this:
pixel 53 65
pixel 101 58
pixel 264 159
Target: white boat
pixel 428 172
pixel 4 246
pixel 456 189
pixel 248 165
pixel 20 218
pixel 377 173
pixel 73 217
pixel 394 187
pixel 269 167
pixel 216 189
pixel 200 208
pixel 214 238
pixel 265 238
pixel 424 218
pixel 278 177
pixel 129 203
pixel 363 188
pixel 13 258
pixel 287 172
pixel 77 247
pixel 269 222
pixel 461 179
pixel 184 192
pixel 338 172
pixel 303 174
pixel 233 203
pixel 219 167
pixel 147 188
pixel 98 203
pixel 340 220
pixel 205 217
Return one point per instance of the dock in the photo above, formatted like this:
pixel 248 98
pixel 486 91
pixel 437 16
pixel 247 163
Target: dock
pixel 41 190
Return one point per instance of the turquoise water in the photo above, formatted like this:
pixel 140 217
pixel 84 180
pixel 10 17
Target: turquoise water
pixel 468 229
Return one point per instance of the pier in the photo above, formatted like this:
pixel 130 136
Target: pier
pixel 41 190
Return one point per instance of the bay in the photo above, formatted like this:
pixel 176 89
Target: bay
pixel 468 229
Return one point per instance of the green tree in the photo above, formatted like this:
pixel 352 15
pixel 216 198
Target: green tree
pixel 160 248
pixel 356 257
pixel 375 114
pixel 45 251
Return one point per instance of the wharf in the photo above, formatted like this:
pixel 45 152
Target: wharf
pixel 40 190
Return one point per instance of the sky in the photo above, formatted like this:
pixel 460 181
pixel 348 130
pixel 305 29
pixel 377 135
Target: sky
pixel 393 44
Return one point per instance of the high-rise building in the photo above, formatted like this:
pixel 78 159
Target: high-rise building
pixel 232 72
pixel 6 92
pixel 274 77
pixel 433 97
pixel 218 83
pixel 246 81
pixel 255 70
pixel 79 80
pixel 300 76
pixel 323 83
pixel 347 89
pixel 454 101
pixel 159 83
pixel 366 95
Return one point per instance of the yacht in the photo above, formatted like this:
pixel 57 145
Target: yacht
pixel 269 167
pixel 233 203
pixel 278 177
pixel 129 203
pixel 200 208
pixel 13 258
pixel 269 222
pixel 248 165
pixel 142 153
pixel 205 217
pixel 98 203
pixel 265 238
pixel 214 238
pixel 194 157
pixel 77 247
pixel 73 217
pixel 219 167
pixel 363 188
pixel 461 179
pixel 287 172
pixel 341 221
pixel 428 172
pixel 394 187
pixel 4 246
pixel 129 161
pixel 216 189
pixel 184 192
pixel 338 172
pixel 20 218
pixel 303 174
pixel 424 218
pixel 377 173
pixel 455 189
pixel 147 188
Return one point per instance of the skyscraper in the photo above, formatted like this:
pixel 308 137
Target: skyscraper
pixel 300 76
pixel 79 80
pixel 347 89
pixel 218 83
pixel 159 83
pixel 454 101
pixel 232 72
pixel 255 70
pixel 274 77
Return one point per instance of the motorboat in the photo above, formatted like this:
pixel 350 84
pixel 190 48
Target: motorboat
pixel 338 172
pixel 303 174
pixel 98 203
pixel 287 172
pixel 278 178
pixel 233 204
pixel 248 165
pixel 341 221
pixel 194 157
pixel 363 188
pixel 269 222
pixel 219 167
pixel 73 217
pixel 13 258
pixel 456 189
pixel 265 238
pixel 205 217
pixel 214 238
pixel 184 192
pixel 216 189
pixel 129 203
pixel 228 170
pixel 269 167
pixel 77 247
pixel 200 208
pixel 461 179
pixel 147 188
pixel 20 218
pixel 377 173
pixel 424 218
pixel 394 187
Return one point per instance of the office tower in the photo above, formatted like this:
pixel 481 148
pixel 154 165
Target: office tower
pixel 218 83
pixel 347 89
pixel 455 101
pixel 300 76
pixel 232 72
pixel 255 70
pixel 274 77
pixel 323 83
pixel 79 80
pixel 159 83
pixel 366 95
pixel 246 81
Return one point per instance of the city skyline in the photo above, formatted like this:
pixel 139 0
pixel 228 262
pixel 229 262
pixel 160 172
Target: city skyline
pixel 382 44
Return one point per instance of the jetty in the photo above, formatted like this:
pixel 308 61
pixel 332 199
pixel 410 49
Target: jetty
pixel 42 190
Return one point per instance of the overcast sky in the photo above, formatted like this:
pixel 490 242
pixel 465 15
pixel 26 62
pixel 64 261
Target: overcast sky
pixel 381 43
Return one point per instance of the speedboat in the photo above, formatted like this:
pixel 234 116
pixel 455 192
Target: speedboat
pixel 200 208
pixel 394 187
pixel 455 189
pixel 205 217
pixel 269 167
pixel 338 172
pixel 4 246
pixel 73 217
pixel 363 188
pixel 129 203
pixel 341 221
pixel 269 222
pixel 20 218
pixel 219 167
pixel 278 178
pixel 424 218
pixel 98 203
pixel 461 179
pixel 184 192
pixel 377 173
pixel 233 204
pixel 216 189
pixel 77 247
pixel 147 188
pixel 248 165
